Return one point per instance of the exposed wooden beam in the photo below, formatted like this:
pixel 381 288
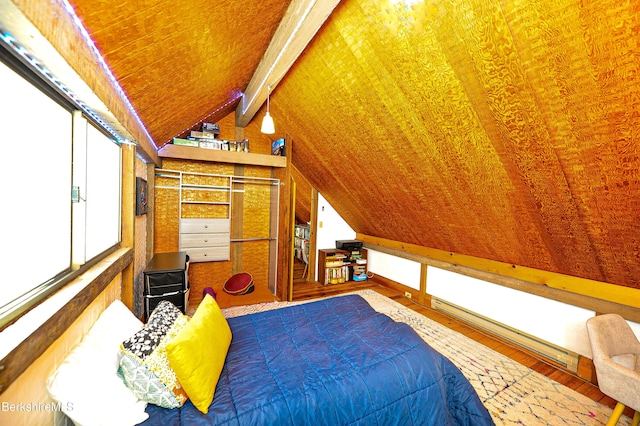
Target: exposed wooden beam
pixel 300 23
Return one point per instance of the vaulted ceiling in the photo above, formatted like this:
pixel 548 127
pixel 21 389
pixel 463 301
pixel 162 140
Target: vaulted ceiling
pixel 503 130
pixel 181 62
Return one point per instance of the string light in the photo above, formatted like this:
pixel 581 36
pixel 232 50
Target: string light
pixel 38 66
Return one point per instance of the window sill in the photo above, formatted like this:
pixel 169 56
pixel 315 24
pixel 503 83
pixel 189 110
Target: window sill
pixel 24 341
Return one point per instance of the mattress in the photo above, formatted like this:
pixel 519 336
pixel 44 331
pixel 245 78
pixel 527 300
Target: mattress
pixel 331 362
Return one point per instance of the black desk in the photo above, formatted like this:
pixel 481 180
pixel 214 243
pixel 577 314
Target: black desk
pixel 165 278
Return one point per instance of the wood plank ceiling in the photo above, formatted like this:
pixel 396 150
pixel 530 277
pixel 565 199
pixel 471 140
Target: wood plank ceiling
pixel 181 62
pixel 503 130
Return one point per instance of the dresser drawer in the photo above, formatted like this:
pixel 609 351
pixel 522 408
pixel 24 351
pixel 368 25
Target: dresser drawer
pixel 179 298
pixel 164 289
pixel 204 226
pixel 203 240
pixel 165 278
pixel 209 254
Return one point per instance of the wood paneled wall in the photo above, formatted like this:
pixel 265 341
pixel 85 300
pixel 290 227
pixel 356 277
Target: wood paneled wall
pixel 303 196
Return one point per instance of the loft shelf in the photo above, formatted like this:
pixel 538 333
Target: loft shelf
pixel 204 154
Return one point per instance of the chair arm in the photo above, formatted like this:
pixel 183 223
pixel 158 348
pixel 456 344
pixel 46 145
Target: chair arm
pixel 619 382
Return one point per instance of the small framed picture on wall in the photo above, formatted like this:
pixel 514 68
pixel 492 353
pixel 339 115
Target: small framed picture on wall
pixel 278 147
pixel 141 196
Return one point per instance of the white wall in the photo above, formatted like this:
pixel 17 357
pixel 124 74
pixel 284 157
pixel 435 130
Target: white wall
pixel 330 227
pixel 555 322
pixel 403 271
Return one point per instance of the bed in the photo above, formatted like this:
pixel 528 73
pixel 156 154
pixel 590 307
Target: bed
pixel 330 362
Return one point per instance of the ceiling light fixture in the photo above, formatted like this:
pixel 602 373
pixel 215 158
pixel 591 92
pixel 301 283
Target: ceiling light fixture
pixel 267 122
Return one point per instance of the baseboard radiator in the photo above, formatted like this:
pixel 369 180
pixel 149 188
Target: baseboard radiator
pixel 548 350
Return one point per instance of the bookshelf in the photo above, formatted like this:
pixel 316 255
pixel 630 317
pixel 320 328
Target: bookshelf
pixel 301 243
pixel 339 266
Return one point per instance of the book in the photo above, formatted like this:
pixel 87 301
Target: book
pixel 185 142
pixel 206 135
pixel 212 144
pixel 336 275
pixel 337 256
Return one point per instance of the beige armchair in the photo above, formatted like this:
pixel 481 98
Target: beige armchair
pixel 616 355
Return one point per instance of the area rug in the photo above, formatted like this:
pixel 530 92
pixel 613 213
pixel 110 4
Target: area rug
pixel 513 393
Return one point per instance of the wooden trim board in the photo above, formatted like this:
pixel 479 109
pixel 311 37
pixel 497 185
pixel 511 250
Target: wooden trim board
pixel 220 156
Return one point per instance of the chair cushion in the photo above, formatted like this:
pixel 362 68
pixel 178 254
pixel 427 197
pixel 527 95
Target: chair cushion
pixel 239 284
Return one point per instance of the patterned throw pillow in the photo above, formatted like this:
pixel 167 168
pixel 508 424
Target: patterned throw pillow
pixel 144 366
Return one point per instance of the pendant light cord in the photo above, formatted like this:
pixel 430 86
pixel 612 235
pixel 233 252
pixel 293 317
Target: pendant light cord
pixel 268 96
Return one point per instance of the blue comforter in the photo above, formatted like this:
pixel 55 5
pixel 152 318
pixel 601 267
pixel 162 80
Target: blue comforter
pixel 332 362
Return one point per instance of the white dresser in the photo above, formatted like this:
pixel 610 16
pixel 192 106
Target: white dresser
pixel 206 239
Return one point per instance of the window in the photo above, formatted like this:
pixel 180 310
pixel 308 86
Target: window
pixel 49 152
pixel 96 214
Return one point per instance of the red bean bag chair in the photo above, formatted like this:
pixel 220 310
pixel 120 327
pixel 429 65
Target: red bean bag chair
pixel 239 284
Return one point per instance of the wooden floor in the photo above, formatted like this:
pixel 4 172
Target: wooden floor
pixel 303 290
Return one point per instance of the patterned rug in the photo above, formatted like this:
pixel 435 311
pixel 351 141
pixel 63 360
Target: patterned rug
pixel 513 393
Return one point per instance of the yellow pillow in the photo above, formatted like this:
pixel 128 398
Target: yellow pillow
pixel 198 352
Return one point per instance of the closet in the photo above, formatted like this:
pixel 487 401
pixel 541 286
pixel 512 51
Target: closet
pixel 225 221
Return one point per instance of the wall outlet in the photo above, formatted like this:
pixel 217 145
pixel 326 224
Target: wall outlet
pixel 407 295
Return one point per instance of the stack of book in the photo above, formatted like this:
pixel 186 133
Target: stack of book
pixel 336 270
pixel 208 138
pixel 337 275
pixel 359 266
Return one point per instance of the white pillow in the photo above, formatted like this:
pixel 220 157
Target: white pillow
pixel 87 384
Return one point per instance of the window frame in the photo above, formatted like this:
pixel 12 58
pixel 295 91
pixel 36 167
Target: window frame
pixel 15 309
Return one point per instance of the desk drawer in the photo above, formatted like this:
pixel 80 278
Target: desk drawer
pixel 179 298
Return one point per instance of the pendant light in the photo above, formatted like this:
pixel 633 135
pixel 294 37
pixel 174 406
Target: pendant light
pixel 267 122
